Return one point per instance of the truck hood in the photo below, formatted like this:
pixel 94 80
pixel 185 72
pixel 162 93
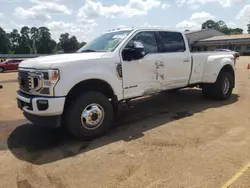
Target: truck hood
pixel 56 60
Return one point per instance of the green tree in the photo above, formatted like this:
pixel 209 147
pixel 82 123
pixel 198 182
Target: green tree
pixel 82 44
pixel 4 42
pixel 14 39
pixel 248 27
pixel 64 42
pixel 25 46
pixel 67 44
pixel 45 45
pixel 222 27
pixel 74 44
pixel 210 24
pixel 236 31
pixel 34 39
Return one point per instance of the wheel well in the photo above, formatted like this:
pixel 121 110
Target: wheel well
pixel 229 69
pixel 91 85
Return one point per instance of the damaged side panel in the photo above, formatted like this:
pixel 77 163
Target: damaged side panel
pixel 151 91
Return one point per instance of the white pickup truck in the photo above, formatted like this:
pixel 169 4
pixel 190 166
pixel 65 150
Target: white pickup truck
pixel 83 90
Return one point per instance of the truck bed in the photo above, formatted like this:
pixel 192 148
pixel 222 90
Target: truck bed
pixel 205 61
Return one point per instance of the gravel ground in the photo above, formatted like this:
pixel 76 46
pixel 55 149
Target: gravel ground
pixel 169 140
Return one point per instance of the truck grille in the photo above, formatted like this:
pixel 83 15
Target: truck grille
pixel 24 80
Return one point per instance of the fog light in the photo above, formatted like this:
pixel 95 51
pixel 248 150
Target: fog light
pixel 42 105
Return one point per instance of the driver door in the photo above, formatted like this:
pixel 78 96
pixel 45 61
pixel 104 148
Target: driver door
pixel 143 76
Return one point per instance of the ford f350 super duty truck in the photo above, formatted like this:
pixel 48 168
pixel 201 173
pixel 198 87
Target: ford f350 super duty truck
pixel 83 90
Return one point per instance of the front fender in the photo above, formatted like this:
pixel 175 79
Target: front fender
pixel 69 77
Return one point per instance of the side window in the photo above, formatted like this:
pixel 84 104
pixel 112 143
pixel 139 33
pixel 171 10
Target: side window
pixel 172 41
pixel 148 40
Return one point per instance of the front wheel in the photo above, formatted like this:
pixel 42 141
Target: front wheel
pixel 89 116
pixel 1 70
pixel 221 89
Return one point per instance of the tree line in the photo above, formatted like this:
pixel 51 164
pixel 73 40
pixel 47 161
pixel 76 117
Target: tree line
pixel 39 41
pixel 222 27
pixel 36 41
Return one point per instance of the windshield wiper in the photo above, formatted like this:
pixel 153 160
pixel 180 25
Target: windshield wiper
pixel 88 50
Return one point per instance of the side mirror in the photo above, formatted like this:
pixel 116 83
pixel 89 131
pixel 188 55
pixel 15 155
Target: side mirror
pixel 138 45
pixel 134 51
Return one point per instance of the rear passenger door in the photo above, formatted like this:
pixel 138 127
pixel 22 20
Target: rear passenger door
pixel 176 58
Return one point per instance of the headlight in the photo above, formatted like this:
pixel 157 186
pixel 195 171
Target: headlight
pixel 43 82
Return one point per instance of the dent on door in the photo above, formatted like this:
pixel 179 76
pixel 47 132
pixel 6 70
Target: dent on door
pixel 159 66
pixel 159 76
pixel 143 77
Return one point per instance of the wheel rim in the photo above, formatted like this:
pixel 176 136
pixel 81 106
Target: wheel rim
pixel 226 85
pixel 92 116
pixel 1 69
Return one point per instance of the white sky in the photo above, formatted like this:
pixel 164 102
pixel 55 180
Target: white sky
pixel 87 19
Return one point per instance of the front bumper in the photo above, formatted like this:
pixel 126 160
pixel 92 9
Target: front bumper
pixel 32 104
pixel 45 111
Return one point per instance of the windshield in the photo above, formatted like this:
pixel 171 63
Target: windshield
pixel 106 42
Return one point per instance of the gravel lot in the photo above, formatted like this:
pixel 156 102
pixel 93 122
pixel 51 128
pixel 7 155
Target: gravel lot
pixel 169 140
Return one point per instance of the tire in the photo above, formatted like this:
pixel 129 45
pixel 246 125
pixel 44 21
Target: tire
pixel 173 90
pixel 207 91
pixel 221 89
pixel 89 103
pixel 1 69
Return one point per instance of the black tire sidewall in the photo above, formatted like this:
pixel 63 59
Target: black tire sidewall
pixel 207 91
pixel 218 90
pixel 74 115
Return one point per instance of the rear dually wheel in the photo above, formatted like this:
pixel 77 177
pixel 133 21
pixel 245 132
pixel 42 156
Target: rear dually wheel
pixel 221 89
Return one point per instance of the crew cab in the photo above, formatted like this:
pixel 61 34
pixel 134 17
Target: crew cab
pixel 83 90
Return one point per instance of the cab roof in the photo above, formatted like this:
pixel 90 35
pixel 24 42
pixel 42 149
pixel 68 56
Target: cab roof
pixel 142 28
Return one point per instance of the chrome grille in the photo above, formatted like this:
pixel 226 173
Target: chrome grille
pixel 24 80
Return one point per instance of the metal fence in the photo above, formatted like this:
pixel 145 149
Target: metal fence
pixel 8 56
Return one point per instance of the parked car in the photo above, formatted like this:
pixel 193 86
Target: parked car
pixel 83 90
pixel 10 65
pixel 237 54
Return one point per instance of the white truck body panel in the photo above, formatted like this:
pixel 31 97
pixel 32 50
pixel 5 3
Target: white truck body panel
pixel 207 65
pixel 59 60
pixel 153 73
pixel 100 68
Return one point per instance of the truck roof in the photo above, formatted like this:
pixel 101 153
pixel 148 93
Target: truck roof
pixel 143 28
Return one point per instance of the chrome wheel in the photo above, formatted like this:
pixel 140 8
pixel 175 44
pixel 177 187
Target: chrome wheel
pixel 1 69
pixel 226 85
pixel 92 116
